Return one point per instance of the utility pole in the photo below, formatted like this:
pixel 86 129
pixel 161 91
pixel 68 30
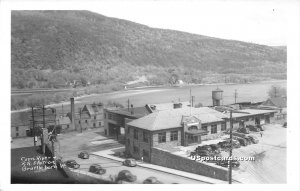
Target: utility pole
pixel 33 127
pixel 80 120
pixel 193 101
pixel 230 151
pixel 190 101
pixel 235 95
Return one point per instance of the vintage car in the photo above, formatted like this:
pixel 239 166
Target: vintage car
pixel 72 164
pixel 129 162
pixel 83 155
pixel 126 175
pixel 97 169
pixel 151 180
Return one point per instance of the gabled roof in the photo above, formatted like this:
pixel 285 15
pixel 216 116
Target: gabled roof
pixel 93 109
pixel 172 118
pixel 276 101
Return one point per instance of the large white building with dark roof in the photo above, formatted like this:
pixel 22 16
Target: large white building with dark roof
pixel 182 127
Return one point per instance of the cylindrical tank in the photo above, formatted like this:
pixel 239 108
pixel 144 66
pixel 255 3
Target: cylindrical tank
pixel 217 96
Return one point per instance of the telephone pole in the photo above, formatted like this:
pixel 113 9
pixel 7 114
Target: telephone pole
pixel 230 151
pixel 33 128
pixel 80 120
pixel 235 95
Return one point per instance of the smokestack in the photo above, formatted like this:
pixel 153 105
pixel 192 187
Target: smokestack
pixel 72 113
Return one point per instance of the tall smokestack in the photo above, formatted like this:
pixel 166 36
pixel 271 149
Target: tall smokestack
pixel 72 113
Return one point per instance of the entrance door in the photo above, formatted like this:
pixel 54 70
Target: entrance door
pixel 267 119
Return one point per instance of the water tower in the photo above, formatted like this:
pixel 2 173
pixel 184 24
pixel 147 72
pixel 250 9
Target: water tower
pixel 217 96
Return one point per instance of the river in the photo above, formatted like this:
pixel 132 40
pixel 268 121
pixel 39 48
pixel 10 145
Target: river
pixel 254 92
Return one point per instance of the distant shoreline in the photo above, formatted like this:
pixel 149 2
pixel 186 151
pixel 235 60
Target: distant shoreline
pixel 145 88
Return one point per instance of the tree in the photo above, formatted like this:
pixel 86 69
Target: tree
pixel 277 91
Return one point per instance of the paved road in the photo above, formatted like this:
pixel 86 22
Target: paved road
pixel 71 144
pixel 113 168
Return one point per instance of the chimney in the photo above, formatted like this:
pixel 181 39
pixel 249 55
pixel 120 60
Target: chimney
pixel 72 113
pixel 132 112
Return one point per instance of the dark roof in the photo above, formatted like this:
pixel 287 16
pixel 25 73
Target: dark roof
pixel 93 109
pixel 276 101
pixel 168 119
pixel 136 112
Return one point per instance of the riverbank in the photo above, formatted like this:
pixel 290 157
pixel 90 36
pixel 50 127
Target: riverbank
pixel 139 91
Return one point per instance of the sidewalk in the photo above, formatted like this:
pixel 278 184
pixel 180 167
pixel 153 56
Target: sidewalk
pixel 108 154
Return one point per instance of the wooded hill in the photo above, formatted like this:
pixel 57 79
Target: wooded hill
pixel 53 48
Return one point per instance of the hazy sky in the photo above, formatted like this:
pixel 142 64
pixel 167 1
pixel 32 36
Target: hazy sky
pixel 262 22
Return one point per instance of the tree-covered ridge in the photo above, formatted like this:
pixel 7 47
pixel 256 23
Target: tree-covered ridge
pixel 55 48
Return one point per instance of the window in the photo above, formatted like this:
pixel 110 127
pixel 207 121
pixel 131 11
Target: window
pixel 213 129
pixel 78 122
pixel 135 149
pixel 204 128
pixel 104 115
pixel 135 134
pixel 128 141
pixel 86 121
pixel 174 135
pixel 223 127
pixel 94 124
pixel 68 126
pixel 162 137
pixel 272 115
pixel 109 116
pixel 17 134
pixel 17 128
pixel 193 127
pixel 99 124
pixel 145 136
pixel 94 117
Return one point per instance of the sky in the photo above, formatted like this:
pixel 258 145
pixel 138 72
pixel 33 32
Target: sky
pixel 261 22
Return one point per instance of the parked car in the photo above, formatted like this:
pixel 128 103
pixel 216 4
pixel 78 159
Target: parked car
pixel 129 162
pixel 215 148
pixel 243 130
pixel 204 147
pixel 72 164
pixel 203 153
pixel 235 143
pixel 242 141
pixel 84 155
pixel 253 128
pixel 253 139
pixel 224 144
pixel 225 163
pixel 126 175
pixel 260 127
pixel 152 180
pixel 249 141
pixel 97 169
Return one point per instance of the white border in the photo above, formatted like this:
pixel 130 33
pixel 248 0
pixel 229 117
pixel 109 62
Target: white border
pixel 293 32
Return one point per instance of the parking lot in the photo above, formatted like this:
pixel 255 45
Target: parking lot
pixel 269 165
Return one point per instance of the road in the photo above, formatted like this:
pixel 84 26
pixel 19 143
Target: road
pixel 71 144
pixel 113 168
